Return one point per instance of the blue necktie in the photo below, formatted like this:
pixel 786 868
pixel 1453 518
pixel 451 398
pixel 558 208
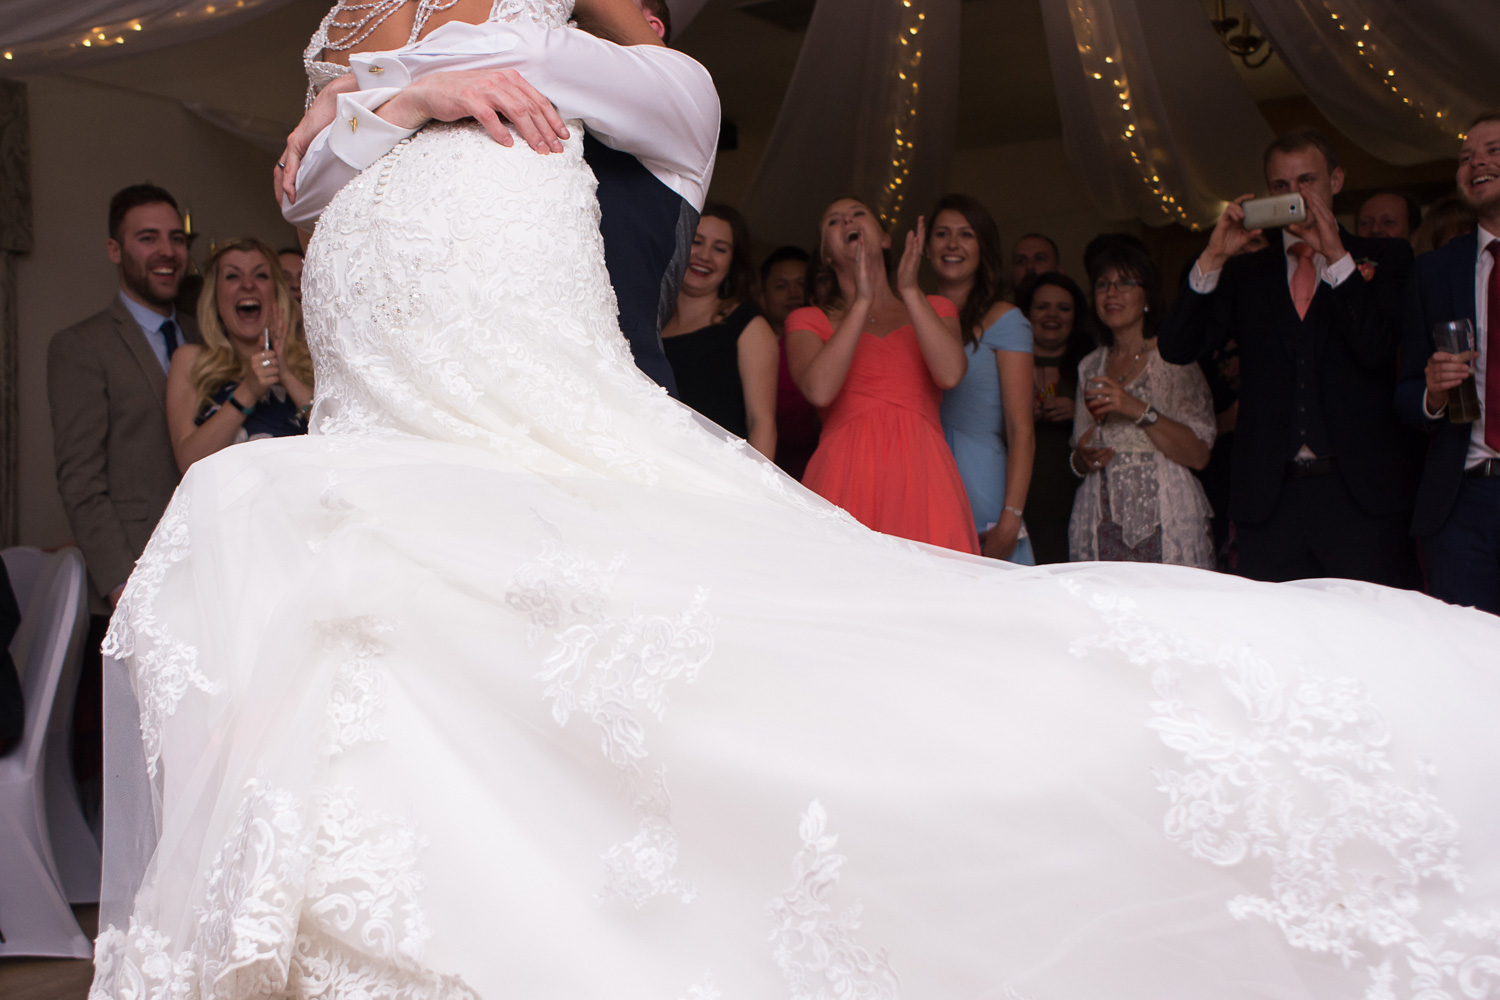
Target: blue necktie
pixel 168 331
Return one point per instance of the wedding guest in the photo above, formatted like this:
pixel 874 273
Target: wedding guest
pixel 1390 214
pixel 722 351
pixel 106 385
pixel 252 378
pixel 1033 254
pixel 1447 219
pixel 291 265
pixel 987 416
pixel 1062 327
pixel 1458 501
pixel 1321 481
pixel 783 283
pixel 876 361
pixel 1139 428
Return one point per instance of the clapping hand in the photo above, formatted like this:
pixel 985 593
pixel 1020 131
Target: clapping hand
pixel 869 269
pixel 911 260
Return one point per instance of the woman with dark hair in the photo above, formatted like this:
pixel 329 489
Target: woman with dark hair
pixel 722 351
pixel 987 416
pixel 1139 428
pixel 1062 327
pixel 876 363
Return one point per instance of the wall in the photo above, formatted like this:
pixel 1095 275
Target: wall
pixel 88 140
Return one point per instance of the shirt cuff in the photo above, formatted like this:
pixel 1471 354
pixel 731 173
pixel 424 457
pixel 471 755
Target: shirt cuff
pixel 358 135
pixel 1338 272
pixel 1202 283
pixel 1427 410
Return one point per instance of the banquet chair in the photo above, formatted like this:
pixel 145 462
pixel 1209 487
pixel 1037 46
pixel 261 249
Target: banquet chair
pixel 38 802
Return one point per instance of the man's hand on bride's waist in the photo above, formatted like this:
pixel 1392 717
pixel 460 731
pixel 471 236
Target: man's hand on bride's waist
pixel 323 110
pixel 490 96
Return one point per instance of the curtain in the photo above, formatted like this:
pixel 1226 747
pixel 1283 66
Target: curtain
pixel 38 36
pixel 1156 122
pixel 870 111
pixel 1402 78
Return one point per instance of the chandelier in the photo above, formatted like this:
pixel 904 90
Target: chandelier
pixel 1243 44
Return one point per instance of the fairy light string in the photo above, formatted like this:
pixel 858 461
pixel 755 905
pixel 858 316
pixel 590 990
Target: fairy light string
pixel 110 34
pixel 901 149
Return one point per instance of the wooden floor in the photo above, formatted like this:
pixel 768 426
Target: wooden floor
pixel 51 978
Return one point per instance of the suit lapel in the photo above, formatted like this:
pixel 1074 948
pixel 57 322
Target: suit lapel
pixel 135 341
pixel 1461 278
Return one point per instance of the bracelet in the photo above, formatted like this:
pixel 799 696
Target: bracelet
pixel 244 410
pixel 303 412
pixel 1148 416
pixel 1013 510
pixel 1073 467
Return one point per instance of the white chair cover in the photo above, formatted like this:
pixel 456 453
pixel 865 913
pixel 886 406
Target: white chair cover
pixel 35 918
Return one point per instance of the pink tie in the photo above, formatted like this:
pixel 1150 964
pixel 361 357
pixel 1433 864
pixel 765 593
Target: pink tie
pixel 1304 279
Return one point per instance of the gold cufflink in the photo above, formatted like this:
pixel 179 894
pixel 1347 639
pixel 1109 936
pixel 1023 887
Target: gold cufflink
pixel 377 70
pixel 354 124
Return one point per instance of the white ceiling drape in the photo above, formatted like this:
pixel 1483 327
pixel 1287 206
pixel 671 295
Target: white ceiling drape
pixel 1155 120
pixel 870 111
pixel 1402 78
pixel 44 35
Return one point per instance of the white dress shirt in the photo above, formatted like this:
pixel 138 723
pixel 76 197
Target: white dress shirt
pixel 652 102
pixel 150 323
pixel 1483 265
pixel 1333 275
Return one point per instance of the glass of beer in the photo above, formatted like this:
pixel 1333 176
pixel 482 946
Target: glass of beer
pixel 1457 337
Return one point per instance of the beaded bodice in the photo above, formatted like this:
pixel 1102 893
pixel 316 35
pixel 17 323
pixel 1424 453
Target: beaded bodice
pixel 355 21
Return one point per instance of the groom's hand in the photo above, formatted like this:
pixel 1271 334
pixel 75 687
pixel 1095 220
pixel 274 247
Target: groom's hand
pixel 491 96
pixel 322 111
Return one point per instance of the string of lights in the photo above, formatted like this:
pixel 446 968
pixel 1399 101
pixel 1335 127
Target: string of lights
pixel 902 146
pixel 1169 199
pixel 125 31
pixel 1379 57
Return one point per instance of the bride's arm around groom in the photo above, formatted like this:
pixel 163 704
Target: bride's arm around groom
pixel 639 97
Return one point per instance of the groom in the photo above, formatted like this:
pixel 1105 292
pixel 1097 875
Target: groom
pixel 652 116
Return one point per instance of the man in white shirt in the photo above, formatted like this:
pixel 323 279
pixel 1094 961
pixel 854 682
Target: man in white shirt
pixel 1457 514
pixel 106 387
pixel 652 117
pixel 1322 476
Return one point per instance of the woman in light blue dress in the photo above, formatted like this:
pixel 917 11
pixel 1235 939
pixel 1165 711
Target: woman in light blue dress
pixel 987 416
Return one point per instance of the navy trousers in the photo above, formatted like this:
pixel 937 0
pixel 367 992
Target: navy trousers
pixel 1463 556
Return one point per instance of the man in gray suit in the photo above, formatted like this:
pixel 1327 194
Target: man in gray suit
pixel 106 386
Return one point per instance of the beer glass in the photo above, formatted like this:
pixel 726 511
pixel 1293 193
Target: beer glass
pixel 1457 337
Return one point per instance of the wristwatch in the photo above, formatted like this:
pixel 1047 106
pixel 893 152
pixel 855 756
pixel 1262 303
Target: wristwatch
pixel 1147 418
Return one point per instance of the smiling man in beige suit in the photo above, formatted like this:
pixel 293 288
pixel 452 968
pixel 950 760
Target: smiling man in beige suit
pixel 106 385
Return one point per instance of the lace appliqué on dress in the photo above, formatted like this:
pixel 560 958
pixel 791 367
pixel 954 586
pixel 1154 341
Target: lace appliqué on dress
pixel 611 668
pixel 164 667
pixel 358 692
pixel 1233 803
pixel 308 896
pixel 811 945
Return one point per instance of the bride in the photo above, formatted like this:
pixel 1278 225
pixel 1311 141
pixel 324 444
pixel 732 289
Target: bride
pixel 514 679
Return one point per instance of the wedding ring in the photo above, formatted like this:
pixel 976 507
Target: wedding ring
pixel 281 165
pixel 265 362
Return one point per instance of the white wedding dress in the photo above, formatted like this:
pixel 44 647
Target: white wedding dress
pixel 515 680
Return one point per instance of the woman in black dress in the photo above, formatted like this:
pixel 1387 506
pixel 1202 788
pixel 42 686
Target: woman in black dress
pixel 723 352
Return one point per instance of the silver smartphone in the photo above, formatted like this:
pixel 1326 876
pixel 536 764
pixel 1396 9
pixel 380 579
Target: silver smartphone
pixel 1269 213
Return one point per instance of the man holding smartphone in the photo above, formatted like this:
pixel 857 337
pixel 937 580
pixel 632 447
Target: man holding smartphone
pixel 1321 480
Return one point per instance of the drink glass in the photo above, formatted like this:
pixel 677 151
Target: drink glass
pixel 1457 337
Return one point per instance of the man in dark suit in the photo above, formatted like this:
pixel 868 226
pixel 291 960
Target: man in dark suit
pixel 1457 514
pixel 106 387
pixel 1320 479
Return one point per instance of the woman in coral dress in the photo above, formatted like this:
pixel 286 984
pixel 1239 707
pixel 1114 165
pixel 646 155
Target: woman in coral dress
pixel 876 362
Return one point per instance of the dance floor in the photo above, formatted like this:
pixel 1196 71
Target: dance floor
pixel 51 978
